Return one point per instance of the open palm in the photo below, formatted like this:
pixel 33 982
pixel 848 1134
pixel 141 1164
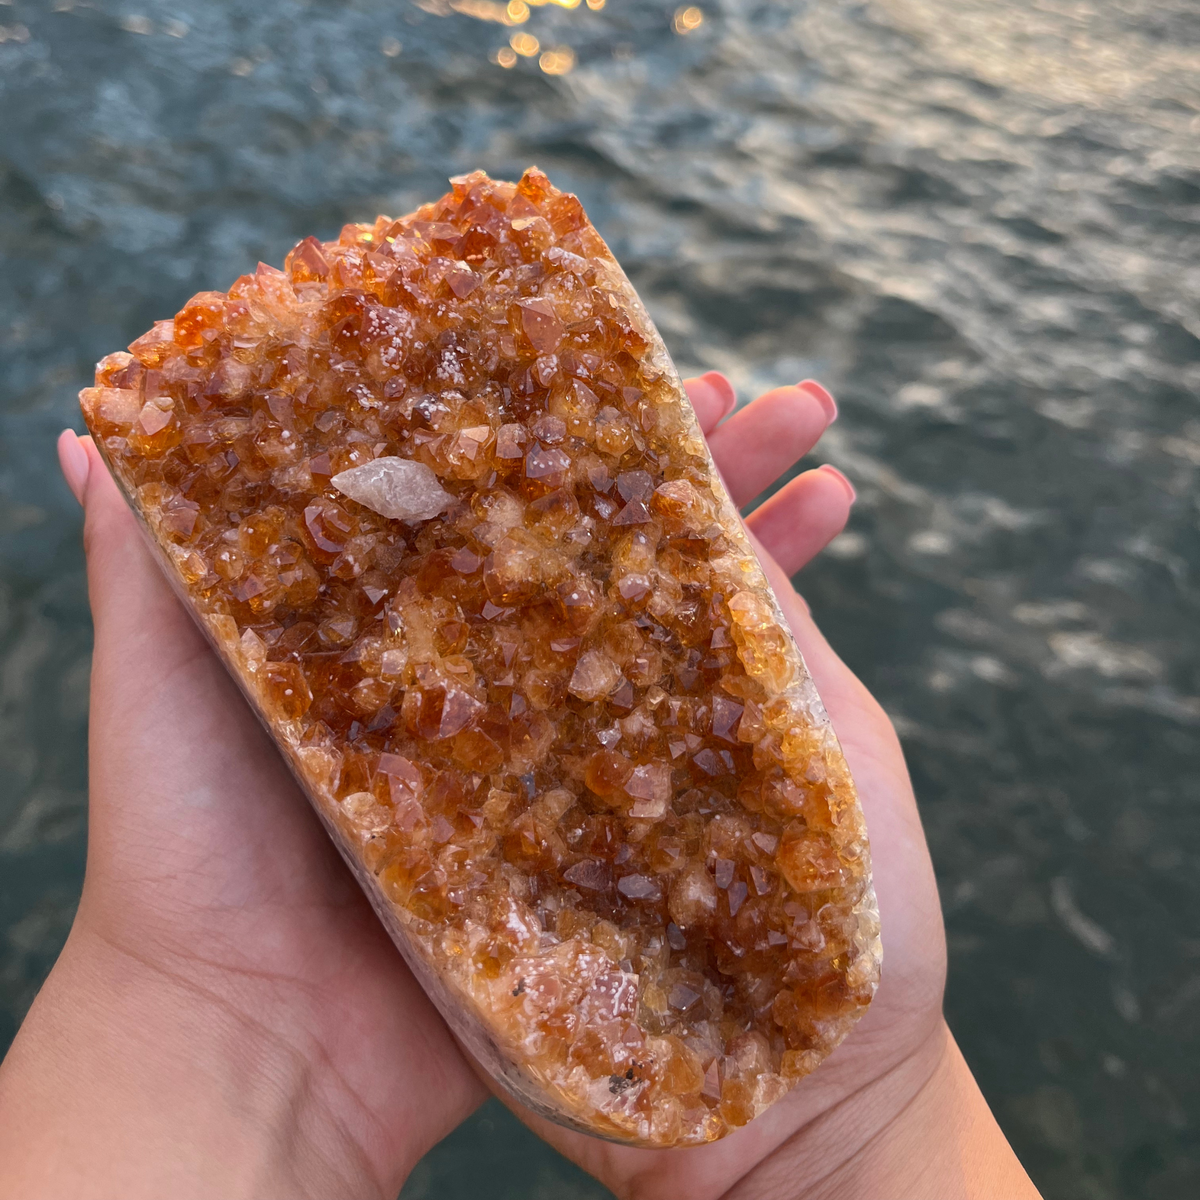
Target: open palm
pixel 207 870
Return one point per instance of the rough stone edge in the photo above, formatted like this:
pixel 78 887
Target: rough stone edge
pixel 458 1008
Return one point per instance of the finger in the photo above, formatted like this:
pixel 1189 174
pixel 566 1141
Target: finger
pixel 803 517
pixel 712 397
pixel 73 460
pixel 124 586
pixel 173 751
pixel 116 558
pixel 823 395
pixel 136 616
pixel 756 445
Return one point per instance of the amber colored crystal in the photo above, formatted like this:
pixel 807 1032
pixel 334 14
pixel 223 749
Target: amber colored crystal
pixel 437 496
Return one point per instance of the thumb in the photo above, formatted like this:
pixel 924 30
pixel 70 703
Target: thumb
pixel 139 624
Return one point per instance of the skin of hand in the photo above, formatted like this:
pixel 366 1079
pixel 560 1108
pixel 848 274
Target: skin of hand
pixel 229 1018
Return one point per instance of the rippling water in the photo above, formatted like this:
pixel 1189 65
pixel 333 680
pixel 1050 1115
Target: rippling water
pixel 979 221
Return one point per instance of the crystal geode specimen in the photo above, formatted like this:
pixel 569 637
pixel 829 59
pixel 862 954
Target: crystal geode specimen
pixel 437 496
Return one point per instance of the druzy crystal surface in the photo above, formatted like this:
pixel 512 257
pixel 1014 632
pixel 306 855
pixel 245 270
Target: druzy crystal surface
pixel 436 494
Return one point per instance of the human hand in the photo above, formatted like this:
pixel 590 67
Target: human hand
pixel 894 1111
pixel 228 1016
pixel 232 1018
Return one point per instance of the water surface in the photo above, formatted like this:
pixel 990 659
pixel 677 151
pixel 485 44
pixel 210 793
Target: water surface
pixel 978 221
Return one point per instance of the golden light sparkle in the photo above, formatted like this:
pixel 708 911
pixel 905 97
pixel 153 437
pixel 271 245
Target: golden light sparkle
pixel 525 44
pixel 557 61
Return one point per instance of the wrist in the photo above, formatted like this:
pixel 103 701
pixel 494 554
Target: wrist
pixel 130 1079
pixel 921 1129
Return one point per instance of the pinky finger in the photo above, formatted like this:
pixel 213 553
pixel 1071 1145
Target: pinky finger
pixel 803 517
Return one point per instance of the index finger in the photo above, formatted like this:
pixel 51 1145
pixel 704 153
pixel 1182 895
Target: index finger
pixel 712 397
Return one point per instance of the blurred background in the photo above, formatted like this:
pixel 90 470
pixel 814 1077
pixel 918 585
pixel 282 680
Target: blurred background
pixel 978 221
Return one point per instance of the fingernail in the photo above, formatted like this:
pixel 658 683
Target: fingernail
pixel 73 460
pixel 827 402
pixel 722 385
pixel 832 470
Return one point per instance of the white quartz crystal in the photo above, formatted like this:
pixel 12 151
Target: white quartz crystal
pixel 395 487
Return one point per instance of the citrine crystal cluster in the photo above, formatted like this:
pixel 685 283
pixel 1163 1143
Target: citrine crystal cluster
pixel 436 494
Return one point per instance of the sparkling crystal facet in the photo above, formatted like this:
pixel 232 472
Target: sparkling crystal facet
pixel 437 496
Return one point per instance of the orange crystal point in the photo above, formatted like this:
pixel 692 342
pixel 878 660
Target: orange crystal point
pixel 437 496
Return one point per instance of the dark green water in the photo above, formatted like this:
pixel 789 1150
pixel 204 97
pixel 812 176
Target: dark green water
pixel 978 221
